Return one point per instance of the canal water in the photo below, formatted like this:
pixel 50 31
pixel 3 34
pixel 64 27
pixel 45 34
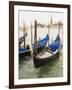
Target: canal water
pixel 52 69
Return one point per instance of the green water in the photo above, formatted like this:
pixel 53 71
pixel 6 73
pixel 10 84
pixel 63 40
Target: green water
pixel 52 69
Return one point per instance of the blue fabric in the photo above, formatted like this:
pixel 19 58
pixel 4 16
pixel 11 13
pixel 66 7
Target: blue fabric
pixel 42 42
pixel 22 49
pixel 56 44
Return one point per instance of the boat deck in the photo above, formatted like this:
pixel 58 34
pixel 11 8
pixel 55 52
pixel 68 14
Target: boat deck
pixel 46 54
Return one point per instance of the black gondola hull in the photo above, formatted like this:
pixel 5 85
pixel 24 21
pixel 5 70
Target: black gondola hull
pixel 38 62
pixel 23 54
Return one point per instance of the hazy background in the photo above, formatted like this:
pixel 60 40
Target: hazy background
pixel 43 17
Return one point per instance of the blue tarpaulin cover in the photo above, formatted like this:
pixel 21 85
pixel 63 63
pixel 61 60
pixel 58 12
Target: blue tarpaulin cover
pixel 56 44
pixel 41 42
pixel 22 49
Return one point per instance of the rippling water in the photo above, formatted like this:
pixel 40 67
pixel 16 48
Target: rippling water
pixel 52 69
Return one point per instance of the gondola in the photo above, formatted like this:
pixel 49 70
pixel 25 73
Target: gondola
pixel 51 53
pixel 41 44
pixel 24 51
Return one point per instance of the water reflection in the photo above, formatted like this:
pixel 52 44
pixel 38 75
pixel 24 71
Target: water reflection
pixel 53 69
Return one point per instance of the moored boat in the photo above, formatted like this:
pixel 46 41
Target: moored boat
pixel 39 61
pixel 51 53
pixel 24 51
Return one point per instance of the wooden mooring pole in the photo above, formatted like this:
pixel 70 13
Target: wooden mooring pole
pixel 35 38
pixel 24 35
